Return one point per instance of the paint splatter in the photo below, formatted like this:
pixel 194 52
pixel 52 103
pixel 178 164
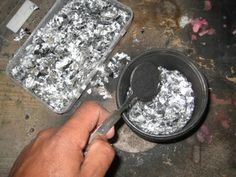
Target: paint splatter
pixel 198 23
pixel 207 5
pixel 204 134
pixel 223 119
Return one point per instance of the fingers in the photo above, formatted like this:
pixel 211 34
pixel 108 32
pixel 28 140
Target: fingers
pixel 83 122
pixel 110 133
pixel 98 159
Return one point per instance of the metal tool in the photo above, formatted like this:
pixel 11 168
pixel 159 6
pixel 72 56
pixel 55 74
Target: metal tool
pixel 144 82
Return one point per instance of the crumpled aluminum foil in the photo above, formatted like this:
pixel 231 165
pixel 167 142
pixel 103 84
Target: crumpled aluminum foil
pixel 118 61
pixel 111 70
pixel 170 110
pixel 64 54
pixel 20 35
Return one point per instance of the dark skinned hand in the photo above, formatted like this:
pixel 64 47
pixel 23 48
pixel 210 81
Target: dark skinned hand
pixel 59 152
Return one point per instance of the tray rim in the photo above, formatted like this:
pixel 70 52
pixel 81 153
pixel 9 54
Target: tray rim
pixel 41 24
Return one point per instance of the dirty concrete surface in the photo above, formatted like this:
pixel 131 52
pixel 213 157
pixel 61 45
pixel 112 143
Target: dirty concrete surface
pixel 211 151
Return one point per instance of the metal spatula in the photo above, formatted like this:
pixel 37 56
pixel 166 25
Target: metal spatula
pixel 144 82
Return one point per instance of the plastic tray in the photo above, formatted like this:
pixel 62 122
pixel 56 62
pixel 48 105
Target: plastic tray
pixel 58 5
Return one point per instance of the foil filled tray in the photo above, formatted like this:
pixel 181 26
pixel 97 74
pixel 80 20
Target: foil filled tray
pixel 63 53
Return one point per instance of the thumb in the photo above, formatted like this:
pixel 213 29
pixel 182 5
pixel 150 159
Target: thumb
pixel 98 159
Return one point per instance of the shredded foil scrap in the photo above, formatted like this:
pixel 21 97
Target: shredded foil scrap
pixel 65 53
pixel 170 110
pixel 106 72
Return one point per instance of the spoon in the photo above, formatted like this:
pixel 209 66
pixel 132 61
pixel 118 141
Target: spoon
pixel 143 81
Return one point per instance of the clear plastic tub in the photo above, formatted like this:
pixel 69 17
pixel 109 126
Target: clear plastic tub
pixel 21 53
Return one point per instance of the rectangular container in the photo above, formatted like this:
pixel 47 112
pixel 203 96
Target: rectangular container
pixel 59 4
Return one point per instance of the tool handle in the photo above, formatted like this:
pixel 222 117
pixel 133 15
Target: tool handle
pixel 112 119
pixel 106 125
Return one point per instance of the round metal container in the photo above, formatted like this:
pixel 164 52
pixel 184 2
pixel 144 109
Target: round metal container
pixel 171 60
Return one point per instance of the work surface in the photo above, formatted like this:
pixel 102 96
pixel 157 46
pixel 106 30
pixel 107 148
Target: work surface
pixel 211 151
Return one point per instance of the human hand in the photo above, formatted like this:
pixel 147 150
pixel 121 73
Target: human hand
pixel 59 152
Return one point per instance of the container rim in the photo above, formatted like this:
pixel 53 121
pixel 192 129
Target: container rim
pixel 183 133
pixel 56 7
